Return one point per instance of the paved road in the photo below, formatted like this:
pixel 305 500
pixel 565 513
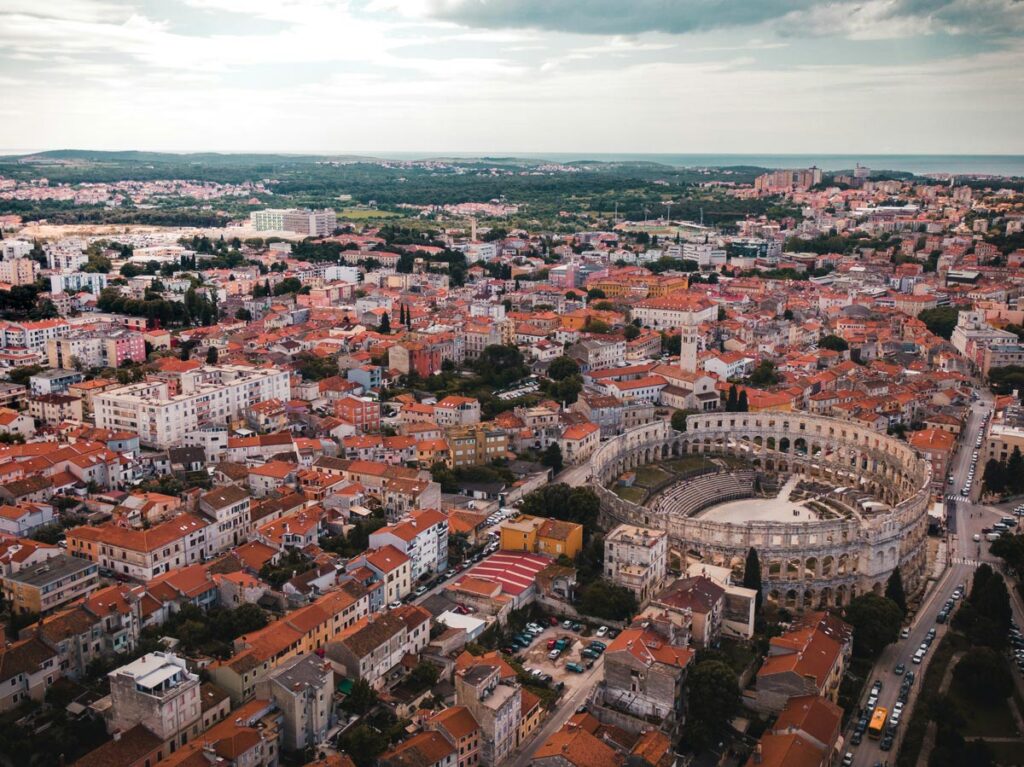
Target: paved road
pixel 567 707
pixel 968 519
pixel 575 476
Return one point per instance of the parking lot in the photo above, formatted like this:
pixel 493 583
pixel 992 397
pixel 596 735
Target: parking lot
pixel 537 655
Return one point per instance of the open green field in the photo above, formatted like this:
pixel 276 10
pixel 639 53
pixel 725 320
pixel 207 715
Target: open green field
pixel 651 476
pixel 686 463
pixel 359 214
pixel 631 494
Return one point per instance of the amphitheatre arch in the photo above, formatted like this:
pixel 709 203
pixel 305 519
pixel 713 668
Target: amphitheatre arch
pixel 831 507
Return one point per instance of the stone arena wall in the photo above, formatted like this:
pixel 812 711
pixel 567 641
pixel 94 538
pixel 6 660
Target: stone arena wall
pixel 803 564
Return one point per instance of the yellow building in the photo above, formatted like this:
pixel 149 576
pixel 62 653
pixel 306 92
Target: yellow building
pixel 542 536
pixel 475 445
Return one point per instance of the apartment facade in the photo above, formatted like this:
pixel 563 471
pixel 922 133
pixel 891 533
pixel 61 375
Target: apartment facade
pixel 475 445
pixel 160 693
pixel 210 395
pixel 143 554
pixel 637 559
pixel 48 585
pixel 422 536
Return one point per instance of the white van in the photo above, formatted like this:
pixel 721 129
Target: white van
pixel 918 656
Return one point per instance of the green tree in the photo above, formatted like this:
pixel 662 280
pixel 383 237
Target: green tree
pixel 553 457
pixel 732 400
pixel 995 477
pixel 713 700
pixel 361 699
pixel 559 501
pixel 424 675
pixel 1015 472
pixel 764 374
pixel 679 419
pixel 833 343
pixel 876 624
pixel 211 355
pixel 982 675
pixel 631 332
pixel 894 590
pixel 752 576
pixel 287 285
pixel 742 406
pixel 940 320
pixel 563 367
pixel 604 599
pixel 243 314
pixel 595 293
pixel 364 744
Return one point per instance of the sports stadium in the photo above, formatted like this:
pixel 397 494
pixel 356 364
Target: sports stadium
pixel 831 507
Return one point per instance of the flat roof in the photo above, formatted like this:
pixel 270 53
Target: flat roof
pixel 54 568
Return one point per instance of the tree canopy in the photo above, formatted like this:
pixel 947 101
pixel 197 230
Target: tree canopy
pixel 876 624
pixel 559 501
pixel 604 599
pixel 713 700
pixel 941 320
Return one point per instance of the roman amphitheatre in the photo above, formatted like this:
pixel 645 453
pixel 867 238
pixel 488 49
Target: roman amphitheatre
pixel 831 507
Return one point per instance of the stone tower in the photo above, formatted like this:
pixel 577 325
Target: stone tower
pixel 688 346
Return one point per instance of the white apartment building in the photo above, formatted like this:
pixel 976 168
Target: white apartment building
pixel 457 411
pixel 728 365
pixel 637 559
pixel 32 335
pixel 422 536
pixel 75 282
pixel 228 509
pixel 14 249
pixel 160 693
pixel 143 554
pixel 316 223
pixel 210 395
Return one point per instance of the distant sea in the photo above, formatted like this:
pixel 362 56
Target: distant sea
pixel 958 164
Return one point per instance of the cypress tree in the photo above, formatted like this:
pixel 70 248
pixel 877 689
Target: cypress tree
pixel 732 401
pixel 752 576
pixel 741 405
pixel 894 590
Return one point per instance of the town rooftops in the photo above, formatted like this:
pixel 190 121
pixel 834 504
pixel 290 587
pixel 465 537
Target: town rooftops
pixel 53 569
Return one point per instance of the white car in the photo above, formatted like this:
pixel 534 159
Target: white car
pixel 394 605
pixel 602 631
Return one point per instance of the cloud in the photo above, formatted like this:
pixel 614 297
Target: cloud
pixel 874 19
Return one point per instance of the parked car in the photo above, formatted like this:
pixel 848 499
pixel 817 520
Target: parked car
pixel 602 631
pixel 900 669
pixel 575 667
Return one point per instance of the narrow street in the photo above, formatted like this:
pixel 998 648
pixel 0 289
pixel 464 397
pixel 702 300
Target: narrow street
pixel 966 520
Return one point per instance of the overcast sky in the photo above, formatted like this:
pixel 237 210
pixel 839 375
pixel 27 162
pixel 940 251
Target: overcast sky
pixel 848 76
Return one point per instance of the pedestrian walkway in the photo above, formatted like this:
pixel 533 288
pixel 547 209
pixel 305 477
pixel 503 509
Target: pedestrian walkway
pixel 966 561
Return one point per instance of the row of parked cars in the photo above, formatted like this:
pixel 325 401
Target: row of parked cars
pixel 947 608
pixel 1017 643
